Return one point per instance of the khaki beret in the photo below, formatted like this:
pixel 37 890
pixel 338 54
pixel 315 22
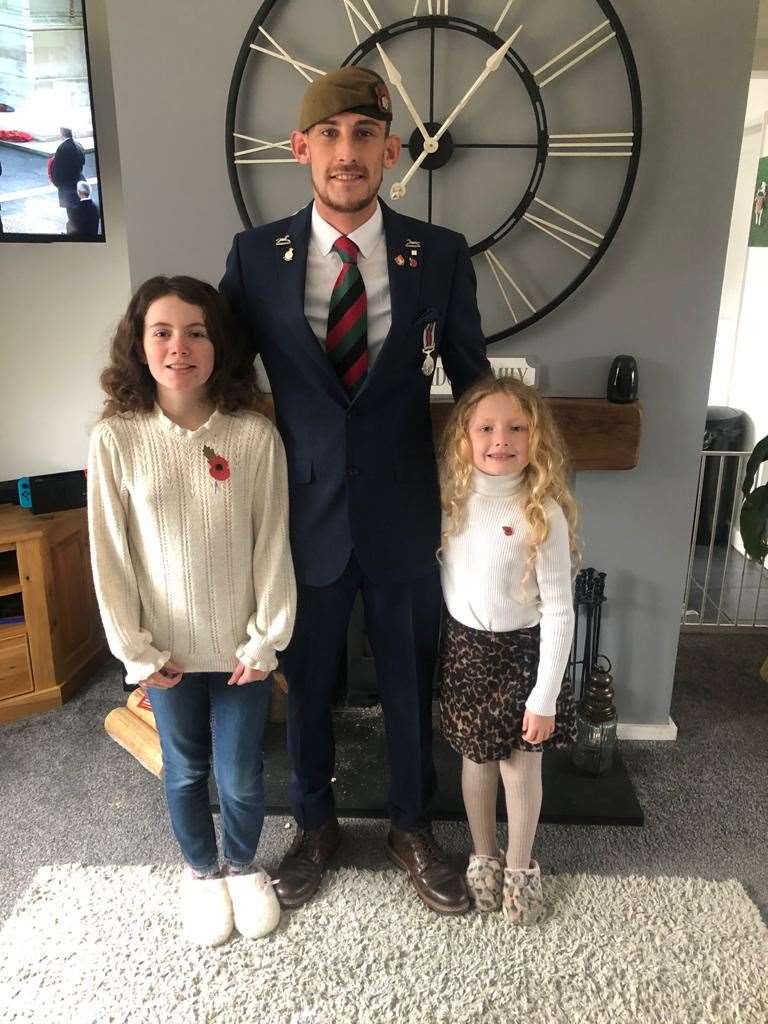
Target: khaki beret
pixel 352 89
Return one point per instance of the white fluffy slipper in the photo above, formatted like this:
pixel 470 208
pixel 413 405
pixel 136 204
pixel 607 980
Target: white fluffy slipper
pixel 255 905
pixel 206 910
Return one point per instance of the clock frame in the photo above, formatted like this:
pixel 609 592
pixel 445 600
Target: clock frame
pixel 526 210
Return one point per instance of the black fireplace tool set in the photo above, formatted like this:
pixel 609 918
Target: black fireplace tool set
pixel 596 719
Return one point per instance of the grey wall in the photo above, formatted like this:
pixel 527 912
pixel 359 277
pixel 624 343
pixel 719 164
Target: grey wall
pixel 655 294
pixel 57 305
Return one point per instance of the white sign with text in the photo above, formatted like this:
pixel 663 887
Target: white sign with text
pixel 502 366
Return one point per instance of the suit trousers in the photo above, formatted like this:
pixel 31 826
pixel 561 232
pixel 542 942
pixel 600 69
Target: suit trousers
pixel 402 623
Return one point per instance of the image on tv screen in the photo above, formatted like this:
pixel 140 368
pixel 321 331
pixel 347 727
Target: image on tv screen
pixel 49 167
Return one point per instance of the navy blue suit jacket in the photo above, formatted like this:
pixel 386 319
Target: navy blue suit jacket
pixel 361 472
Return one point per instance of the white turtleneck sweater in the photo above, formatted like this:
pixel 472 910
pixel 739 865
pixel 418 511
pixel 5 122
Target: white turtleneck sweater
pixel 482 572
pixel 186 565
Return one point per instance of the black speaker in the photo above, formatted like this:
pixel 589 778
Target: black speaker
pixel 55 492
pixel 9 492
pixel 622 380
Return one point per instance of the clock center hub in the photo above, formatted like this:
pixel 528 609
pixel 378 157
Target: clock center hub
pixel 442 154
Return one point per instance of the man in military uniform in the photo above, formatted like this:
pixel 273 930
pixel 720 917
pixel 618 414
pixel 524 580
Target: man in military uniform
pixel 348 304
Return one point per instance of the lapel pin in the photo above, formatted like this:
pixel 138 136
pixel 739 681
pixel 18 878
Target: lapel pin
pixel 283 240
pixel 413 243
pixel 288 255
pixel 400 260
pixel 412 262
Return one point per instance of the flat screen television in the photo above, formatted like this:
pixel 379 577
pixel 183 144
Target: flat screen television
pixel 49 161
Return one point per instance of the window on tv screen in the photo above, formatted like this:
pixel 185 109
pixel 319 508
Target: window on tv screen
pixel 49 165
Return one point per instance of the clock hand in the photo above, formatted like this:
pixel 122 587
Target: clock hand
pixel 397 80
pixel 431 145
pixel 398 190
pixel 491 65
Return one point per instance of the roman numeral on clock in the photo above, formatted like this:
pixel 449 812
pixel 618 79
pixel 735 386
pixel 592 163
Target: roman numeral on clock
pixel 432 8
pixel 497 269
pixel 244 156
pixel 353 12
pixel 542 80
pixel 591 144
pixel 280 54
pixel 561 234
pixel 502 16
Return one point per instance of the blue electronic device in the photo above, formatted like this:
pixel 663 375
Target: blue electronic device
pixel 25 494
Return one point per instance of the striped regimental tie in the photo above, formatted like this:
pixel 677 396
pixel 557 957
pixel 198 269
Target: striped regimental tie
pixel 346 341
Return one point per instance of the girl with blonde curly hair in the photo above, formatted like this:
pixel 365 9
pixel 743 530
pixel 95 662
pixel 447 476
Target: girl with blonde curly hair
pixel 508 544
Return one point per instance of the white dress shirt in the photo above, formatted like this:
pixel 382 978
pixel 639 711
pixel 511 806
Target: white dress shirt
pixel 323 266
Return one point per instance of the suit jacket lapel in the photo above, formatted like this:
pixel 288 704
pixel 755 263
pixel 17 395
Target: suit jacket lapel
pixel 404 286
pixel 292 274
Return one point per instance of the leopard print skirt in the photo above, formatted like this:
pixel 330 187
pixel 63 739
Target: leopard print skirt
pixel 485 680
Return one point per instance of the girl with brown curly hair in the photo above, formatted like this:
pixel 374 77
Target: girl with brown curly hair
pixel 188 519
pixel 508 538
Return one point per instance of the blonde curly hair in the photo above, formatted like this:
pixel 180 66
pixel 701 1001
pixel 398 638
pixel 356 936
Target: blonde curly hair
pixel 544 476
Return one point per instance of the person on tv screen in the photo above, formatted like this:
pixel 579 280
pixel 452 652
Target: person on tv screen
pixel 66 170
pixel 84 218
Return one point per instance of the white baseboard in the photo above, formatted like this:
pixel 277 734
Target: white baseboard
pixel 638 731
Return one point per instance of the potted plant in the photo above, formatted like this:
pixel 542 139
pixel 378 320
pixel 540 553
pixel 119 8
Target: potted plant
pixel 753 521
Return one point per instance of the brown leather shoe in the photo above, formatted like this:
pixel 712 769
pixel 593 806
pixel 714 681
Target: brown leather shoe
pixel 436 881
pixel 302 868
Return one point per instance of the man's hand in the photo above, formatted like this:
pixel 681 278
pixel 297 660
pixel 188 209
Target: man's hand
pixel 537 728
pixel 166 677
pixel 243 675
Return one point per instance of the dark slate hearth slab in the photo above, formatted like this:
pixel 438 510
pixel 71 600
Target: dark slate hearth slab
pixel 362 778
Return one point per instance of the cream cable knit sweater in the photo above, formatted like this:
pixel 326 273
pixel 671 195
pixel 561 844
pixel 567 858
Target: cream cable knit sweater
pixel 482 571
pixel 189 542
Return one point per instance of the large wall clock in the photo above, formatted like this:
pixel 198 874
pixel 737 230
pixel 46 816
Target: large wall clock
pixel 520 121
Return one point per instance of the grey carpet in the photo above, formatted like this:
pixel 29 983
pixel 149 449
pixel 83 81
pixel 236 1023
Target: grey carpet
pixel 101 946
pixel 69 794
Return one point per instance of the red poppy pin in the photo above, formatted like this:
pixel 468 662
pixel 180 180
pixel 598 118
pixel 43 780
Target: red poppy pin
pixel 218 466
pixel 508 530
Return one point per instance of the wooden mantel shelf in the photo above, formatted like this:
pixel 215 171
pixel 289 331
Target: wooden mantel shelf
pixel 599 434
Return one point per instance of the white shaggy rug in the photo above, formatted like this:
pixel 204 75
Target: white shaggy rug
pixel 100 945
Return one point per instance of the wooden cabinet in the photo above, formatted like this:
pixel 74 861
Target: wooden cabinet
pixel 45 561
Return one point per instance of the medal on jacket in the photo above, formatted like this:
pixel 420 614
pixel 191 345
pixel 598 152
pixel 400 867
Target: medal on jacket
pixel 428 347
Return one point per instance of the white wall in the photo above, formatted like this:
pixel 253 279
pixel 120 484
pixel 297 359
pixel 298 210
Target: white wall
pixel 733 279
pixel 750 363
pixel 58 304
pixel 740 363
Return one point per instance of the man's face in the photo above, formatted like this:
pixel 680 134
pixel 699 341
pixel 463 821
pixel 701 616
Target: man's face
pixel 346 155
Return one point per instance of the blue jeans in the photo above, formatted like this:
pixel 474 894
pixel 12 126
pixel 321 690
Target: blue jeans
pixel 199 717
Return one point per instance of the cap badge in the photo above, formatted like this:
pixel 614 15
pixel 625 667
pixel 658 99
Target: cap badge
pixel 382 97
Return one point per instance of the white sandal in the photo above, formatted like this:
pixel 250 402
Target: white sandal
pixel 206 910
pixel 254 902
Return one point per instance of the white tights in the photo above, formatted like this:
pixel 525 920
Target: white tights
pixel 521 778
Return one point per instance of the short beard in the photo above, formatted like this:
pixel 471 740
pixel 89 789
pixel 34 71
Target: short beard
pixel 352 206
